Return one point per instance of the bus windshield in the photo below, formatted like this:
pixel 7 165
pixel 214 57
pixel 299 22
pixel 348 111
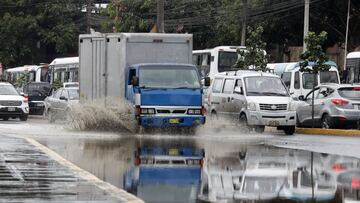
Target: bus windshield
pixel 169 77
pixel 227 60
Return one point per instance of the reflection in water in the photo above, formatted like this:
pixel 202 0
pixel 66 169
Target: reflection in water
pixel 178 170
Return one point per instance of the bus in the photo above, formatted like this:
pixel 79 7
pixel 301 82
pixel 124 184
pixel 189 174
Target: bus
pixel 352 69
pixel 213 61
pixel 160 172
pixel 33 73
pixel 64 70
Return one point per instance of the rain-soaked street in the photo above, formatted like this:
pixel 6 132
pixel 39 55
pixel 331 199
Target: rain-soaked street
pixel 216 165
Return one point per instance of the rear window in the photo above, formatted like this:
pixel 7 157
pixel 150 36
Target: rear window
pixel 350 92
pixel 329 77
pixel 36 88
pixel 286 77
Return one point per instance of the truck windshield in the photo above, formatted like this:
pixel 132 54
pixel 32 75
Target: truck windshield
pixel 227 60
pixel 168 77
pixel 265 86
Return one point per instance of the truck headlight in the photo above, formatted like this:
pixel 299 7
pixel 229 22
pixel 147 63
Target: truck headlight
pixel 251 106
pixel 194 111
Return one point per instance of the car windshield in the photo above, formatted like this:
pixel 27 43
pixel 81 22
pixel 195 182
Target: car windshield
pixel 265 86
pixel 8 90
pixel 73 94
pixel 329 77
pixel 227 60
pixel 37 88
pixel 350 92
pixel 169 77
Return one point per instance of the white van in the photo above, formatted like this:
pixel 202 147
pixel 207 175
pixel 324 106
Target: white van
pixel 255 99
pixel 301 83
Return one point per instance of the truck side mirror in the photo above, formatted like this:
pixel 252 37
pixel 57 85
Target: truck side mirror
pixel 135 81
pixel 207 81
pixel 238 90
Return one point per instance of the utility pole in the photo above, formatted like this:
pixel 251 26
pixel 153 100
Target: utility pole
pixel 306 22
pixel 160 16
pixel 243 26
pixel 347 33
pixel 88 15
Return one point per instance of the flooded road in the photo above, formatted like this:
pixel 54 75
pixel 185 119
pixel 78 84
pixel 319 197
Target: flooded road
pixel 193 169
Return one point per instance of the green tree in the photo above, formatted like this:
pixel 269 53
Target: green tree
pixel 253 55
pixel 317 58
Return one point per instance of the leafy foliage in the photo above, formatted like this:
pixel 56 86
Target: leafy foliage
pixel 314 53
pixel 253 55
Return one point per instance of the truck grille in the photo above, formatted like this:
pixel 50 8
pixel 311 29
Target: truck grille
pixel 273 107
pixel 175 111
pixel 10 103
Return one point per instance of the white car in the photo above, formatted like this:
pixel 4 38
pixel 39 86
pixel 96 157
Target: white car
pixel 12 104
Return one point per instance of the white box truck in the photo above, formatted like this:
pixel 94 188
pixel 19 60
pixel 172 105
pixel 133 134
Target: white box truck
pixel 150 70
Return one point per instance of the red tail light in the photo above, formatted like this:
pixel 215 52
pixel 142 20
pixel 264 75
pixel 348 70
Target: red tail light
pixel 356 88
pixel 355 183
pixel 339 102
pixel 26 97
pixel 338 167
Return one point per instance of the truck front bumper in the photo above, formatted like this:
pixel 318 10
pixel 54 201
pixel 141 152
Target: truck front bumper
pixel 274 119
pixel 167 121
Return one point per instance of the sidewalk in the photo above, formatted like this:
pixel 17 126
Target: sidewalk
pixel 30 172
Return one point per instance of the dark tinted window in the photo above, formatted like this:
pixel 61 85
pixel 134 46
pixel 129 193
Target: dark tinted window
pixel 297 80
pixel 36 88
pixel 329 77
pixel 286 77
pixel 308 80
pixel 227 60
pixel 217 86
pixel 350 92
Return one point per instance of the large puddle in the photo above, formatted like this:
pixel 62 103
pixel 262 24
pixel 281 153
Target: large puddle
pixel 189 170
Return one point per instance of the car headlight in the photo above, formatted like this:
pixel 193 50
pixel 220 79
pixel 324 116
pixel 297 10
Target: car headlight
pixel 251 106
pixel 292 106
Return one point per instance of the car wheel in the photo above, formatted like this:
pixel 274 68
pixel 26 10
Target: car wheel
pixel 5 118
pixel 326 122
pixel 214 115
pixel 289 130
pixel 259 129
pixel 243 123
pixel 24 118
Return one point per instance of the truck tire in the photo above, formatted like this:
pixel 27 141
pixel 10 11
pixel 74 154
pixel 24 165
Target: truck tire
pixel 24 118
pixel 244 123
pixel 289 130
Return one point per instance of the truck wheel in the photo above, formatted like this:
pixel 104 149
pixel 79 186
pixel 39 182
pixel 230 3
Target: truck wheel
pixel 24 118
pixel 5 118
pixel 326 121
pixel 243 123
pixel 259 129
pixel 289 130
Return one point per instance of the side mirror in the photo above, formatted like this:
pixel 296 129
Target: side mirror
pixel 207 82
pixel 238 90
pixel 301 98
pixel 135 81
pixel 63 98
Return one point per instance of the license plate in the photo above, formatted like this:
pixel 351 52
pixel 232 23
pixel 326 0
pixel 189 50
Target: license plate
pixel 274 123
pixel 173 152
pixel 11 109
pixel 174 121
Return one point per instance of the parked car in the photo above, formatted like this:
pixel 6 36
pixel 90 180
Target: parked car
pixel 255 99
pixel 70 84
pixel 37 92
pixel 335 106
pixel 12 104
pixel 59 104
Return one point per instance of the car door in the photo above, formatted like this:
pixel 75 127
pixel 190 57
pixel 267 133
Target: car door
pixel 54 100
pixel 227 99
pixel 320 102
pixel 63 101
pixel 239 98
pixel 215 95
pixel 304 110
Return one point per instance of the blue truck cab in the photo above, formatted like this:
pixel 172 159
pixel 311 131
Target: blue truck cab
pixel 165 174
pixel 165 94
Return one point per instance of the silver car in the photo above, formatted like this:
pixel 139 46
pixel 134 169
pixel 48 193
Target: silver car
pixel 335 106
pixel 60 102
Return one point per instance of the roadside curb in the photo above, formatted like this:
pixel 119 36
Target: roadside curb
pixel 117 193
pixel 332 132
